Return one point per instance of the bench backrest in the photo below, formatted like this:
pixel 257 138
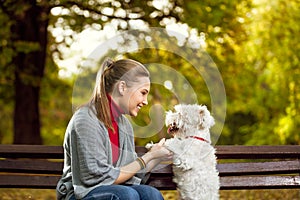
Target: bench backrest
pixel 240 167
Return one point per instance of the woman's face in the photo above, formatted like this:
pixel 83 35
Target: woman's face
pixel 135 97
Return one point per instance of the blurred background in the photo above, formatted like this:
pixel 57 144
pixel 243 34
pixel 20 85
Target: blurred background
pixel 255 45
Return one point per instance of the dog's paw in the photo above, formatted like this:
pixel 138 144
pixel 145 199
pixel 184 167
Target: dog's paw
pixel 186 167
pixel 181 164
pixel 149 145
pixel 177 162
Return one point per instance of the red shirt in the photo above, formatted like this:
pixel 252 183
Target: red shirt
pixel 115 112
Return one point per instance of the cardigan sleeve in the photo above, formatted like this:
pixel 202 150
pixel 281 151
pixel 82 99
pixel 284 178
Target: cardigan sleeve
pixel 128 153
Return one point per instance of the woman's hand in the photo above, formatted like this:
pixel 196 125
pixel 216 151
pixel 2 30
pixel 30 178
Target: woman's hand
pixel 159 151
pixel 152 158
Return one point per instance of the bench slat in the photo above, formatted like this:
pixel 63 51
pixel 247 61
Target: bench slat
pixel 31 166
pixel 258 152
pixel 239 169
pixel 239 182
pixel 260 182
pixel 31 151
pixel 225 169
pixel 257 168
pixel 223 152
pixel 163 183
pixel 25 181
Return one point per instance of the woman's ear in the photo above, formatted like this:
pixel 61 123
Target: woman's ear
pixel 122 87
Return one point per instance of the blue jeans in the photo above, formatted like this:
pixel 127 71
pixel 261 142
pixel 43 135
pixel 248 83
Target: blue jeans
pixel 123 192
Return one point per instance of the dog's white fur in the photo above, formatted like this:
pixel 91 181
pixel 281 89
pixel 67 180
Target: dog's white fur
pixel 194 160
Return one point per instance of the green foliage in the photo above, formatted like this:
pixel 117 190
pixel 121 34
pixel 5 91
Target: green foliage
pixel 253 43
pixel 272 55
pixel 6 80
pixel 55 106
pixel 6 125
pixel 255 48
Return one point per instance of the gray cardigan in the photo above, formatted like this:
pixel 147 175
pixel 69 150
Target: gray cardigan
pixel 88 155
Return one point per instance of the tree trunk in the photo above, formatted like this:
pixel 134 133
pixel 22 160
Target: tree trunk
pixel 30 31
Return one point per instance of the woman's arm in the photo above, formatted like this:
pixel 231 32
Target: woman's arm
pixel 154 162
pixel 157 153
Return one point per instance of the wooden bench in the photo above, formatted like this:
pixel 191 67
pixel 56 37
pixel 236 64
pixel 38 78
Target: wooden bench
pixel 240 167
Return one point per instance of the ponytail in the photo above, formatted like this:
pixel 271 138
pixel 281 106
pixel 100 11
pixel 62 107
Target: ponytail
pixel 99 99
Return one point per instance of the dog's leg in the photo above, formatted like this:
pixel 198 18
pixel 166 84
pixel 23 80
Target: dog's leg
pixel 182 164
pixel 149 145
pixel 177 147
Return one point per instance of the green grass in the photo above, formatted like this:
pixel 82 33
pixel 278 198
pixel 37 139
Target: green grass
pixel 27 194
pixel 287 194
pixel 249 194
pixel 37 194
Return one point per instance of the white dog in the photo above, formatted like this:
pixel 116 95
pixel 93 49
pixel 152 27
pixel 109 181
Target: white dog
pixel 194 160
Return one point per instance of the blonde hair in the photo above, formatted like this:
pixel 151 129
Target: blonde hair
pixel 108 75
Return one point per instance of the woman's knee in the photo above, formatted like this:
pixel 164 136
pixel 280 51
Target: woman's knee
pixel 147 192
pixel 113 192
pixel 129 194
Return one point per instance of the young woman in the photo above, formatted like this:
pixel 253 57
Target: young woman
pixel 100 161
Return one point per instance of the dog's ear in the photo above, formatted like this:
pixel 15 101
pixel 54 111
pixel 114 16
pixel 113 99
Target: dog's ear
pixel 205 119
pixel 201 119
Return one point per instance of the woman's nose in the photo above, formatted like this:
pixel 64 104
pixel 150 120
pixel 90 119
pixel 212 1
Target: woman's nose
pixel 145 102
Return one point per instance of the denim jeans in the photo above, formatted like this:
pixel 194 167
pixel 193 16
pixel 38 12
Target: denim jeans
pixel 123 192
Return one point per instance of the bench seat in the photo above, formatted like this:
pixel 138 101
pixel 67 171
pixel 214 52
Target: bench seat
pixel 240 167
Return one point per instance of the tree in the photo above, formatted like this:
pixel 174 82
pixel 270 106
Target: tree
pixel 25 45
pixel 252 43
pixel 273 50
pixel 224 26
pixel 255 48
pixel 28 41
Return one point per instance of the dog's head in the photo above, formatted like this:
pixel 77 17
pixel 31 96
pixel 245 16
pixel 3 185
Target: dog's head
pixel 188 118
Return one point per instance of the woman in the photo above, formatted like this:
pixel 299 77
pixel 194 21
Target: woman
pixel 99 153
